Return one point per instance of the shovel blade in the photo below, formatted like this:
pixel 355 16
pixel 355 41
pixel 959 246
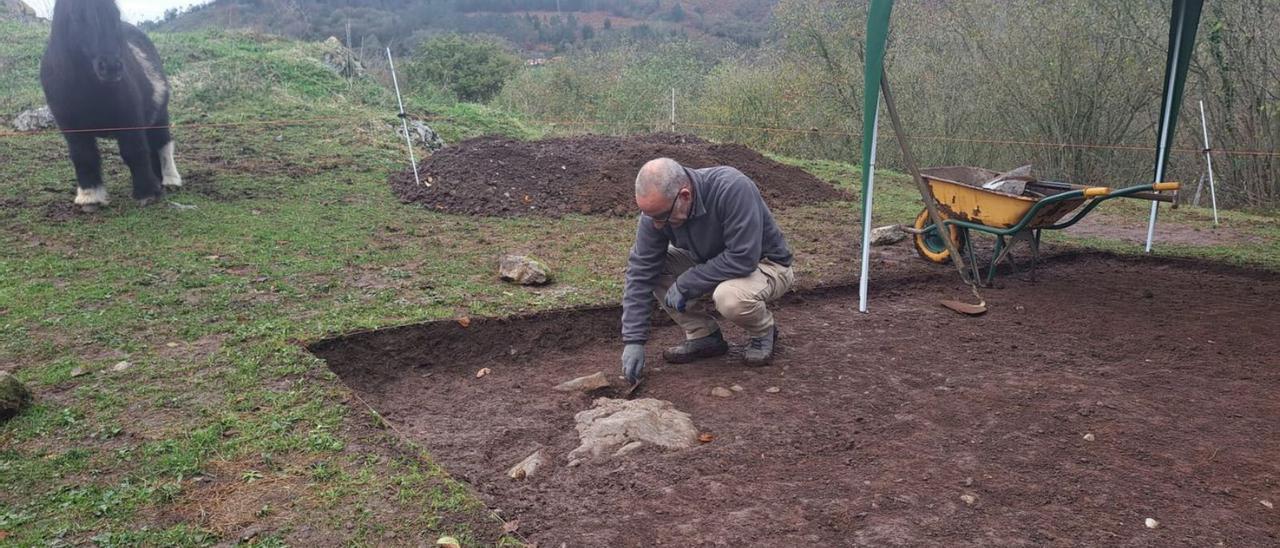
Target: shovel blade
pixel 966 308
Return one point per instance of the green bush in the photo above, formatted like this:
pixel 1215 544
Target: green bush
pixel 472 69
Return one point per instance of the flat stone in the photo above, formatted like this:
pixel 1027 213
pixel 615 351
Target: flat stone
pixel 773 390
pixel 721 392
pixel 523 270
pixel 887 235
pixel 613 423
pixel 584 384
pixel 736 388
pixel 529 466
pixel 121 366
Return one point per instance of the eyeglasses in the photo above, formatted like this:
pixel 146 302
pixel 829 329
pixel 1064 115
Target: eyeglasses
pixel 663 218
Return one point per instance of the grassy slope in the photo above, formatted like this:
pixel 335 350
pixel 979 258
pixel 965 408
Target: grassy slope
pixel 294 236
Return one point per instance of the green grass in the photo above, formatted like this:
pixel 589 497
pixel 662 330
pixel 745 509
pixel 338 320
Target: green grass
pixel 295 236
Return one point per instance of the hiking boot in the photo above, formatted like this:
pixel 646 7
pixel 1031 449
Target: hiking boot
pixel 759 351
pixel 709 346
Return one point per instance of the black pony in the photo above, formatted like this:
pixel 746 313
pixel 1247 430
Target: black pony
pixel 102 77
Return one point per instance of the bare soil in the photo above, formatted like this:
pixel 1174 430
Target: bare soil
pixel 592 174
pixel 884 424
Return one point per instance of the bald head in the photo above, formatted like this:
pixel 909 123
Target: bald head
pixel 661 177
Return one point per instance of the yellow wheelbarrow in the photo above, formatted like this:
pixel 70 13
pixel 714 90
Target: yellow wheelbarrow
pixel 965 205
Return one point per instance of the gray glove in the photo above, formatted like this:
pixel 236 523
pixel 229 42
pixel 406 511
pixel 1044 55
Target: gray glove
pixel 675 299
pixel 633 362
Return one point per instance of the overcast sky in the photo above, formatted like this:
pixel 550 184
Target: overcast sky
pixel 132 10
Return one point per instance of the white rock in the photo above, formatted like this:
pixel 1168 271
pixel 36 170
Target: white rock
pixel 1268 504
pixel 887 235
pixel 121 366
pixel 584 384
pixel 736 388
pixel 1152 524
pixel 34 119
pixel 968 499
pixel 628 449
pixel 1089 437
pixel 522 270
pixel 721 392
pixel 529 466
pixel 613 423
pixel 773 390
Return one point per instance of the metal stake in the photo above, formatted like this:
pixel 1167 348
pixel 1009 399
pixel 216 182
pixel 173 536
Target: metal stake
pixel 404 120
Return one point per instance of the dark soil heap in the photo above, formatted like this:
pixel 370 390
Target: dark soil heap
pixel 593 174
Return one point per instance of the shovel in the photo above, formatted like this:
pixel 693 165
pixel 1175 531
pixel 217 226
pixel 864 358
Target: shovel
pixel 931 205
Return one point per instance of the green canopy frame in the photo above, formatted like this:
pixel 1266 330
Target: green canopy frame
pixel 1184 21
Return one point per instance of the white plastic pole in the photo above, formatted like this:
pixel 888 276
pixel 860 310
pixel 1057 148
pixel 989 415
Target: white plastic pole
pixel 866 218
pixel 404 120
pixel 673 110
pixel 1208 159
pixel 1164 124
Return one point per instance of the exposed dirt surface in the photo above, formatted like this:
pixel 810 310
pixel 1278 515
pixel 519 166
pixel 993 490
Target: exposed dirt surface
pixel 593 174
pixel 1113 227
pixel 908 426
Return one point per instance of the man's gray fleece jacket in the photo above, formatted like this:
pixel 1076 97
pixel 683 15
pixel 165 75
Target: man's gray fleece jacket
pixel 728 232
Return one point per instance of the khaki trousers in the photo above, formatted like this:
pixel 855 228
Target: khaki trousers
pixel 740 300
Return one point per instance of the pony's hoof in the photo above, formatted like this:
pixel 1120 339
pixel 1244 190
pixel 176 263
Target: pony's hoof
pixel 172 183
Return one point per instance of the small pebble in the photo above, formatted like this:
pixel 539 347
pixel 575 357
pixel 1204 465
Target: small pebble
pixel 968 499
pixel 1268 504
pixel 1089 437
pixel 1152 524
pixel 121 366
pixel 736 388
pixel 483 372
pixel 773 390
pixel 721 392
pixel 77 372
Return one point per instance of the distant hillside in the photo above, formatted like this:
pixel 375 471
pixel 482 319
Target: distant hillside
pixel 529 25
pixel 17 10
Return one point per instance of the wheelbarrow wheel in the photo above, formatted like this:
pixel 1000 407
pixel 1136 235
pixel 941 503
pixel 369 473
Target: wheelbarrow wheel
pixel 930 244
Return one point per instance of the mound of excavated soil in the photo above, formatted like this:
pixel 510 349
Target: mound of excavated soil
pixel 593 174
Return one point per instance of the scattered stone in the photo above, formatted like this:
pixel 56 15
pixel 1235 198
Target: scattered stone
pixel 613 423
pixel 773 390
pixel 78 372
pixel 721 392
pixel 584 384
pixel 736 388
pixel 34 119
pixel 529 466
pixel 1268 504
pixel 628 449
pixel 14 396
pixel 448 542
pixel 968 499
pixel 121 366
pixel 171 344
pixel 522 270
pixel 1152 524
pixel 340 59
pixel 887 235
pixel 1089 437
pixel 422 135
pixel 483 371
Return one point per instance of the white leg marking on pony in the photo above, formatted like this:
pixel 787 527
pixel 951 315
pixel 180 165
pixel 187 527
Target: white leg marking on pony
pixel 167 167
pixel 92 196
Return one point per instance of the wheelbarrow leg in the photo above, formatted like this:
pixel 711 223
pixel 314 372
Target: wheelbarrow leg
pixel 1035 253
pixel 996 255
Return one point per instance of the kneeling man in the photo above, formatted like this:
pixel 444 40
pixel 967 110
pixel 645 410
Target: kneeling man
pixel 702 233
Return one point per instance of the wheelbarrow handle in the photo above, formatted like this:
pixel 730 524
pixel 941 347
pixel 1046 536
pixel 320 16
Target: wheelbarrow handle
pixel 1095 191
pixel 1166 186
